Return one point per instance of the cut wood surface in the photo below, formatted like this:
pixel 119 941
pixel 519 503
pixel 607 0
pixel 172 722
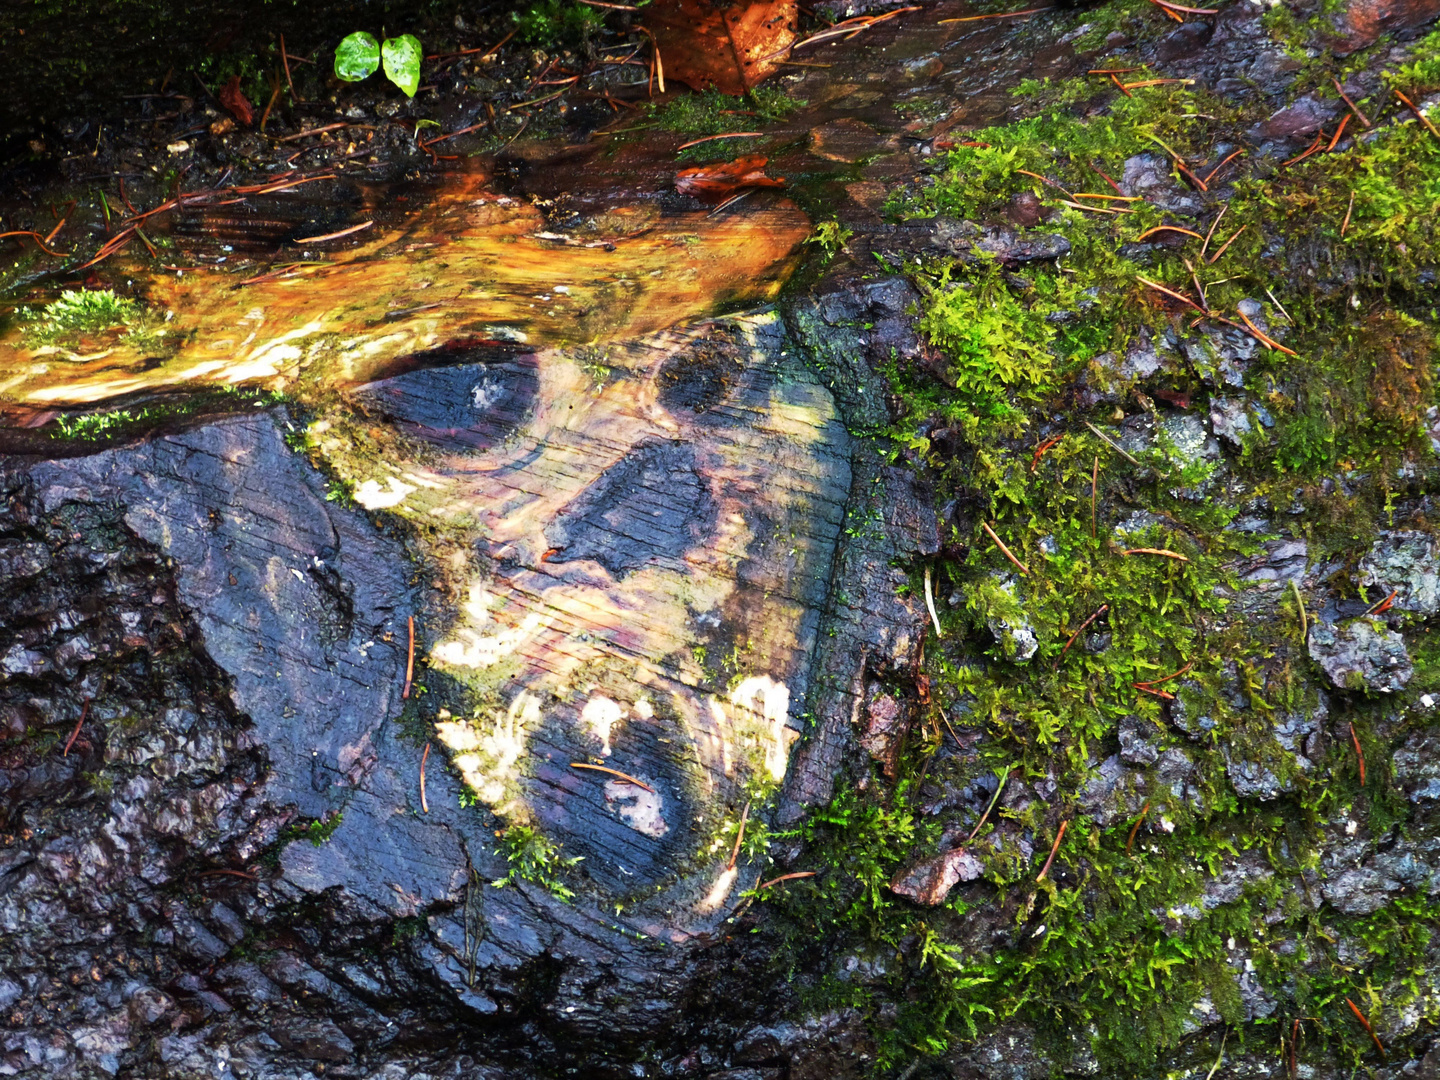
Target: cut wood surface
pixel 657 537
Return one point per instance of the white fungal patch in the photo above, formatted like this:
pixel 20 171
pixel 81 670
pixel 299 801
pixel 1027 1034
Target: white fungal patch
pixel 638 808
pixel 487 751
pixel 719 892
pixel 373 497
pixel 473 649
pixel 599 716
pixel 768 701
pixel 486 393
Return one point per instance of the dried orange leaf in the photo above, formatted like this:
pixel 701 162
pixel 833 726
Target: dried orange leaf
pixel 715 182
pixel 731 47
pixel 233 98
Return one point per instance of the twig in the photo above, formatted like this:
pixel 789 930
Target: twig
pixel 1359 754
pixel 113 245
pixel 1151 690
pixel 1098 612
pixel 1094 485
pixel 1211 231
pixel 557 93
pixel 786 877
pixel 1095 209
pixel 285 60
pixel 1361 1017
pixel 1346 223
pixel 1382 605
pixel 1005 550
pixel 1040 451
pixel 1224 246
pixel 1319 141
pixel 1339 131
pixel 1111 198
pixel 1045 180
pixel 1217 168
pixel 1262 337
pixel 1279 307
pixel 1053 849
pixel 410 661
pixel 1167 678
pixel 274 96
pixel 232 873
pixel 1107 179
pixel 423 758
pixel 950 729
pixel 712 138
pixel 847 29
pixel 1113 71
pixel 930 604
pixel 993 800
pixel 499 44
pixel 1358 115
pixel 1156 551
pixel 1300 606
pixel 39 243
pixel 1130 840
pixel 84 712
pixel 1185 171
pixel 1173 14
pixel 1154 82
pixel 1190 10
pixel 1294 1038
pixel 614 7
pixel 1113 446
pixel 311 131
pixel 453 134
pixel 1121 86
pixel 284 271
pixel 1002 15
pixel 657 66
pixel 1170 292
pixel 1168 228
pixel 1220 1057
pixel 1195 280
pixel 739 837
pixel 732 200
pixel 613 772
pixel 335 235
pixel 1426 121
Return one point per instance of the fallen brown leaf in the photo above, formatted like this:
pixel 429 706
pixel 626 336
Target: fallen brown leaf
pixel 711 183
pixel 233 98
pixel 731 47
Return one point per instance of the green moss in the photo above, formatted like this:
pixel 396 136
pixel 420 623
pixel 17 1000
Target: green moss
pixel 555 22
pixel 82 311
pixel 317 831
pixel 714 113
pixel 1116 946
pixel 536 858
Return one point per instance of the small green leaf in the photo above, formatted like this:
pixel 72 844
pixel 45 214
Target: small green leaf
pixel 402 62
pixel 357 56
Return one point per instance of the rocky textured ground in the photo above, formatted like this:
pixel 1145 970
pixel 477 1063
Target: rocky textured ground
pixel 1102 622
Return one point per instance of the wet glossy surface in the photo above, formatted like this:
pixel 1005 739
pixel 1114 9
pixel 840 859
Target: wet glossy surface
pixel 472 266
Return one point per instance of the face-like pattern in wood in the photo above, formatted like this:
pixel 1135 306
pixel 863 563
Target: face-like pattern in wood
pixel 635 511
pixel 654 540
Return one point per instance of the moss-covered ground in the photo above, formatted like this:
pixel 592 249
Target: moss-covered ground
pixel 1116 950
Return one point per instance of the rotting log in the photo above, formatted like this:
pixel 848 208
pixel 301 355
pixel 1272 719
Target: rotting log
pixel 622 554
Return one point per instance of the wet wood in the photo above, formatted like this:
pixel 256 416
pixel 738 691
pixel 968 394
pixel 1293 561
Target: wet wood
pixel 472 264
